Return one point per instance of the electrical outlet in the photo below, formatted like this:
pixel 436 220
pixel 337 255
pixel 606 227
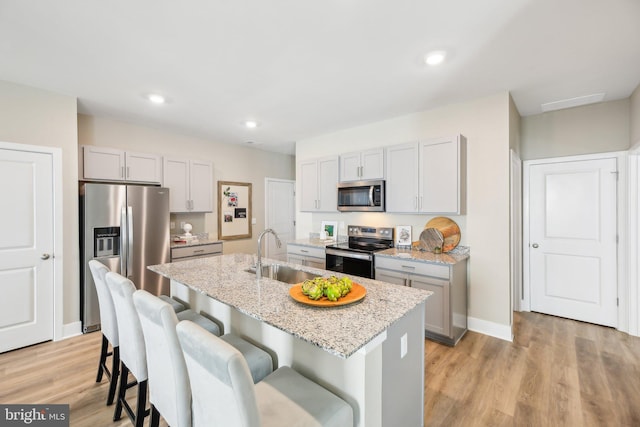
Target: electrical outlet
pixel 181 225
pixel 254 221
pixel 403 346
pixel 173 224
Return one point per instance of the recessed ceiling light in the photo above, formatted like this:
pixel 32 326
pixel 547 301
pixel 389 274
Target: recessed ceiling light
pixel 156 98
pixel 436 57
pixel 250 124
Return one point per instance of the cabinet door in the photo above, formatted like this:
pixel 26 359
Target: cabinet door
pixel 103 163
pixel 350 167
pixel 441 189
pixel 372 163
pixel 201 186
pixel 176 178
pixel 328 184
pixel 295 259
pixel 391 277
pixel 143 167
pixel 402 178
pixel 437 309
pixel 308 177
pixel 315 263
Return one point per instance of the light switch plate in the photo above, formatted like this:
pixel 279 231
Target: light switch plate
pixel 254 221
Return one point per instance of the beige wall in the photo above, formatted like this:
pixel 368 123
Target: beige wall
pixel 485 227
pixel 514 127
pixel 36 117
pixel 634 117
pixel 596 128
pixel 230 162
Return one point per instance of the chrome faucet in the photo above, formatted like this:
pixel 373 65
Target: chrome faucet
pixel 259 261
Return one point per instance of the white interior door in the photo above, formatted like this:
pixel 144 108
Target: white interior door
pixel 26 248
pixel 572 244
pixel 280 215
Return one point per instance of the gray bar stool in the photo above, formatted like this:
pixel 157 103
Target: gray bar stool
pixel 224 395
pixel 109 329
pixel 169 390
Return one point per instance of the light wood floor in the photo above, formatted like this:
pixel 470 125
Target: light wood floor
pixel 557 372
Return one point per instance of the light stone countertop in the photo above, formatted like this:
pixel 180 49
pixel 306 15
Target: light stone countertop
pixel 313 243
pixel 340 330
pixel 455 256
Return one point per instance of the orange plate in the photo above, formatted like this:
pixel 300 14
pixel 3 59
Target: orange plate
pixel 357 293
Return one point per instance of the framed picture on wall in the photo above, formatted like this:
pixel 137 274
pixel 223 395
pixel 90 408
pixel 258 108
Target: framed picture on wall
pixel 234 210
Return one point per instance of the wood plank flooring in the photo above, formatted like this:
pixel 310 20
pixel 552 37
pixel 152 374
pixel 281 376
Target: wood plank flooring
pixel 557 372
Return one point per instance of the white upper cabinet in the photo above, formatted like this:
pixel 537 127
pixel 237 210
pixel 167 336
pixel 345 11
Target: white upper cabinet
pixel 427 177
pixel 110 164
pixel 190 183
pixel 318 184
pixel 362 165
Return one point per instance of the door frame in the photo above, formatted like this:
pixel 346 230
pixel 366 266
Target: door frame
pixel 621 219
pixel 58 229
pixel 266 206
pixel 634 237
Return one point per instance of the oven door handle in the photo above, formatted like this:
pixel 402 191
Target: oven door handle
pixel 348 254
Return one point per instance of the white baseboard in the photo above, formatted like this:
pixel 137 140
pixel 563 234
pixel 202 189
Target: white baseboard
pixel 71 330
pixel 497 330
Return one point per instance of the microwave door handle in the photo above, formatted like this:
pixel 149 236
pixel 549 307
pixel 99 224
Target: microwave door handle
pixel 371 195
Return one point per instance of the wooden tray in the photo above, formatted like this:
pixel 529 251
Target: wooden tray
pixel 357 293
pixel 449 229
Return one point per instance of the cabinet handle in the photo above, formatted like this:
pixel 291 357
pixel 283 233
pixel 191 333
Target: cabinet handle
pixel 122 171
pixel 198 251
pixel 415 203
pixel 420 204
pixel 410 267
pixel 128 171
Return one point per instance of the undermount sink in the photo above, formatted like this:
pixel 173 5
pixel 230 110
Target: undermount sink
pixel 285 274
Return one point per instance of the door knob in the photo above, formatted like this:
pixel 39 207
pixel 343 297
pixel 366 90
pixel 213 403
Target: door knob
pixel 45 256
pixel 535 245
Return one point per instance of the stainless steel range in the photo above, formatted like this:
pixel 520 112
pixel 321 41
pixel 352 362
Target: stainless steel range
pixel 356 255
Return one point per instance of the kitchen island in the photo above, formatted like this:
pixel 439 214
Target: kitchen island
pixel 370 353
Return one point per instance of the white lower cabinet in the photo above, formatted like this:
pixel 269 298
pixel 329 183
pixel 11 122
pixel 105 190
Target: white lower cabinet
pixel 196 251
pixel 306 255
pixel 446 308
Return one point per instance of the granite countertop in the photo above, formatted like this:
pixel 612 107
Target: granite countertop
pixel 194 242
pixel 457 255
pixel 341 330
pixel 312 242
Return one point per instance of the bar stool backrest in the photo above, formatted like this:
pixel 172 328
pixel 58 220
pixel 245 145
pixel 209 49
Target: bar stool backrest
pixel 132 348
pixel 108 322
pixel 169 390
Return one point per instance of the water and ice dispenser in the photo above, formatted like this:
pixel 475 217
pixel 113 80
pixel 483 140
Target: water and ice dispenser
pixel 106 241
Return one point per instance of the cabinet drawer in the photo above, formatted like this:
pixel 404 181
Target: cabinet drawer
pixel 306 251
pixel 414 267
pixel 196 251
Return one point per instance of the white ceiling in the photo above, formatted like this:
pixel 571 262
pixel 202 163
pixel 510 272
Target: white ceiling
pixel 303 68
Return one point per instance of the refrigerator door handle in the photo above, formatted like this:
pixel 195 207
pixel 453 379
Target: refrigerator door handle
pixel 123 241
pixel 130 240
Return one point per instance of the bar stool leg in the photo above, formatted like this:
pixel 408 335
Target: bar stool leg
pixel 115 371
pixel 155 417
pixel 124 376
pixel 142 403
pixel 103 358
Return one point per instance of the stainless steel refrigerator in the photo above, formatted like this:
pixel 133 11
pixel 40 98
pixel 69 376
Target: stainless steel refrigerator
pixel 126 227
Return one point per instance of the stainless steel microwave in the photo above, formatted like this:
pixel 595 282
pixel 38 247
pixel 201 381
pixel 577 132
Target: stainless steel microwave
pixel 361 196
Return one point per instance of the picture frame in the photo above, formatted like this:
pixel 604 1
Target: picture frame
pixel 403 236
pixel 234 210
pixel 331 230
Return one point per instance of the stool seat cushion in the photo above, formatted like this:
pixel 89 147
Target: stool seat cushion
pixel 200 320
pixel 259 361
pixel 286 398
pixel 177 305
